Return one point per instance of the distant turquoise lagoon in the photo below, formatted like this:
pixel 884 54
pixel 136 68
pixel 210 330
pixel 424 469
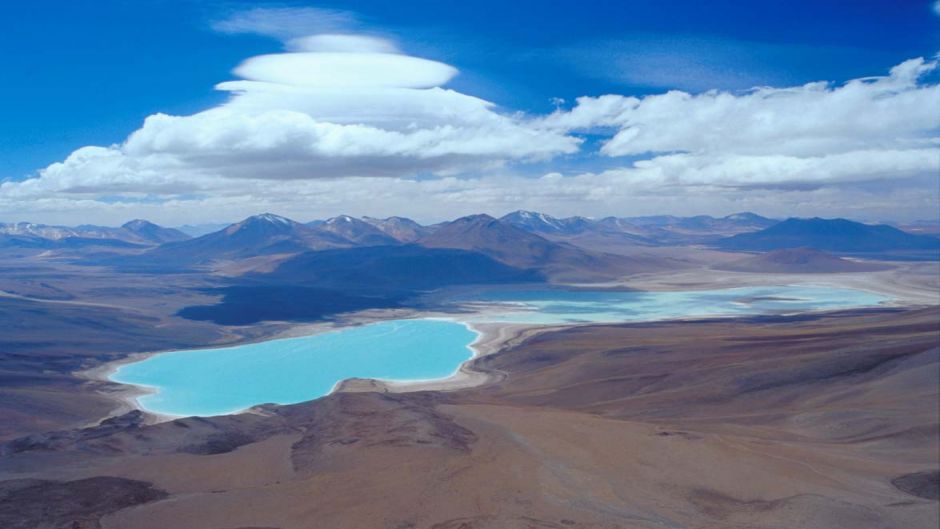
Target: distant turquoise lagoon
pixel 285 371
pixel 555 307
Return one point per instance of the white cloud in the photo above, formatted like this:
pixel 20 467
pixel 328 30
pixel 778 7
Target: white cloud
pixel 346 69
pixel 359 109
pixel 815 118
pixel 621 192
pixel 342 122
pixel 342 43
pixel 777 170
pixel 873 128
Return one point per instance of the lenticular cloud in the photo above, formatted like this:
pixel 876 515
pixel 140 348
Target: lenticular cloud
pixel 335 106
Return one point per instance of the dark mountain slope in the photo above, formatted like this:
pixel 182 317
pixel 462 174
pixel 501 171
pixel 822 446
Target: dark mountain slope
pixel 558 261
pixel 314 285
pixel 500 241
pixel 395 268
pixel 835 235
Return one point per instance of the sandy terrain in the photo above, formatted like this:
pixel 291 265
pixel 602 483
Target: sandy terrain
pixel 824 421
pixel 827 420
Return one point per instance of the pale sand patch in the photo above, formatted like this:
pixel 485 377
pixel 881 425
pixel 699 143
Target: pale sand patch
pixel 124 396
pixel 257 464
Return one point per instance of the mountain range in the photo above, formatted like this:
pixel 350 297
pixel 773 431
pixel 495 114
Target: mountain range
pixel 643 231
pixel 400 228
pixel 268 267
pixel 357 231
pixel 517 247
pixel 521 239
pixel 263 238
pixel 265 234
pixel 137 232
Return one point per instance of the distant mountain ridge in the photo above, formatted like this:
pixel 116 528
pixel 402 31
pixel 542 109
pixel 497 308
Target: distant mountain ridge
pixel 523 239
pixel 373 231
pixel 834 235
pixel 198 230
pixel 650 230
pixel 134 233
pixel 502 241
pixel 357 231
pixel 268 234
pixel 264 234
pixel 534 222
pixel 151 232
pixel 400 228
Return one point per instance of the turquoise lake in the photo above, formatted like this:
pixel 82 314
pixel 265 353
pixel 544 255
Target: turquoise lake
pixel 285 371
pixel 229 379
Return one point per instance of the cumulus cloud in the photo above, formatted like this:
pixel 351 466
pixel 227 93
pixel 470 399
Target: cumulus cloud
pixel 340 106
pixel 878 127
pixel 348 123
pixel 782 171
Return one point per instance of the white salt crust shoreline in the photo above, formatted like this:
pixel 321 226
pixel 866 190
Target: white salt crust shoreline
pixel 495 337
pixel 491 338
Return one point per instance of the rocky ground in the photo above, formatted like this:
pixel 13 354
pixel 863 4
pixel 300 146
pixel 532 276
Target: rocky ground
pixel 811 421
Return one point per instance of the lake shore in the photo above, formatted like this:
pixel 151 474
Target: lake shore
pixel 492 338
pixel 680 405
pixel 905 288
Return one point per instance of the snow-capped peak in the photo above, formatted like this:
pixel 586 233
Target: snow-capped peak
pixel 272 218
pixel 340 218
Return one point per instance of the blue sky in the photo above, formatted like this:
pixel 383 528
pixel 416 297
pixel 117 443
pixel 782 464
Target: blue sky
pixel 89 73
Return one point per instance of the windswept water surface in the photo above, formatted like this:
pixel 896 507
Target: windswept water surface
pixel 285 371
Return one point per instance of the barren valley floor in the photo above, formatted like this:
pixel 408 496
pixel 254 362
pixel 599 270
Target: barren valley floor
pixel 819 420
